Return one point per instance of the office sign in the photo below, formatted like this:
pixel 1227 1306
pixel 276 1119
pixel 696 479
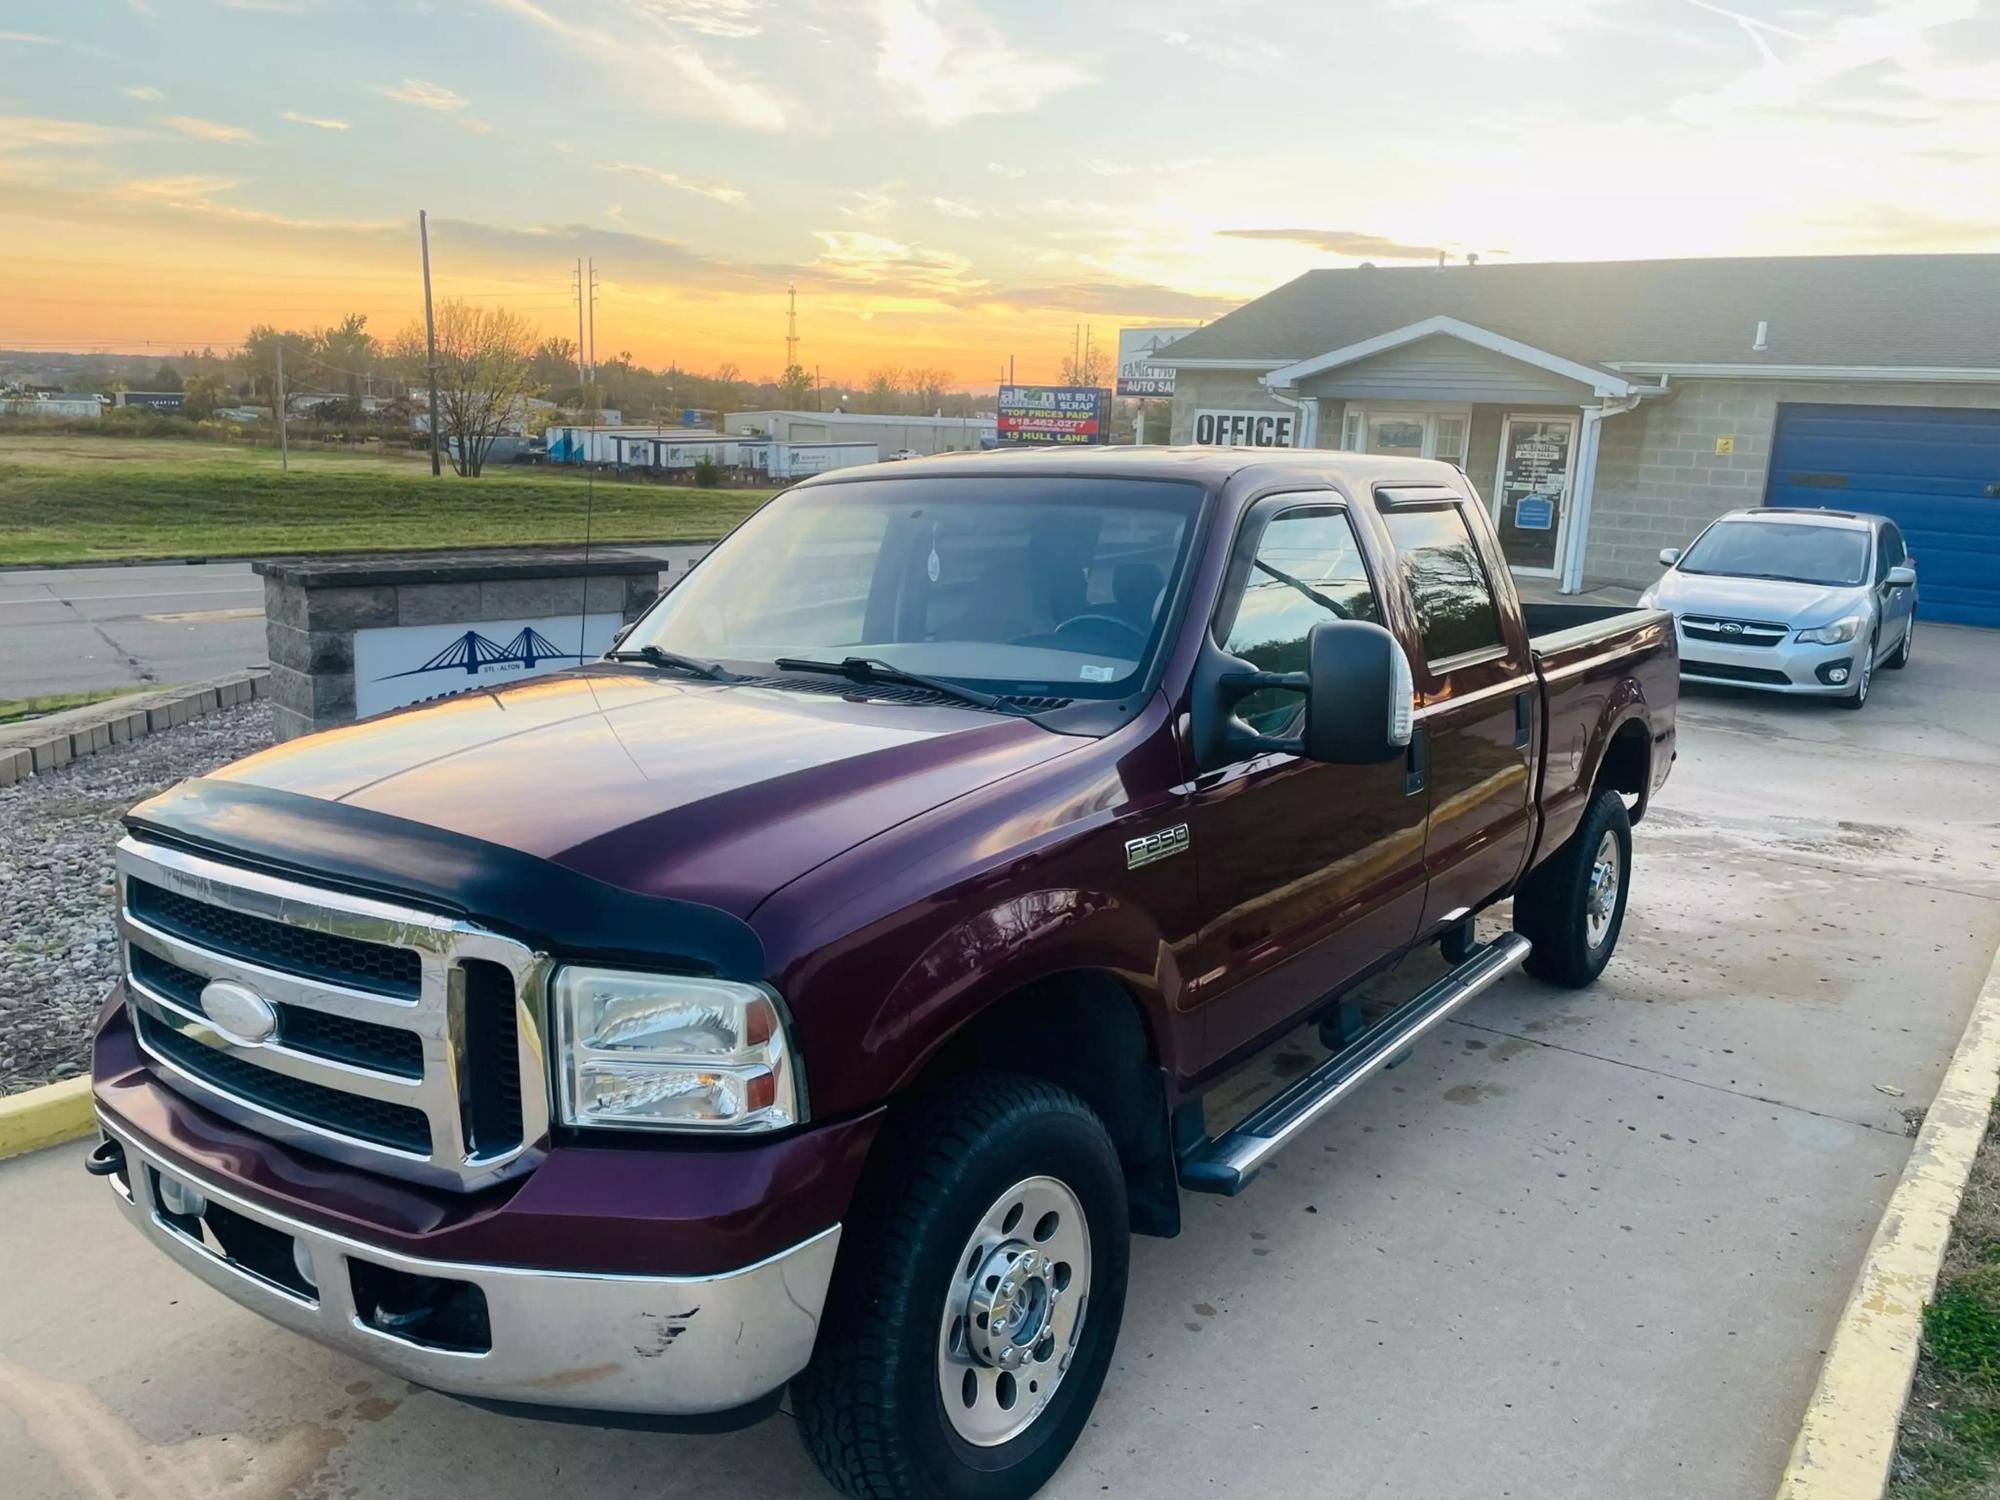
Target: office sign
pixel 1137 374
pixel 1067 414
pixel 1245 429
pixel 401 664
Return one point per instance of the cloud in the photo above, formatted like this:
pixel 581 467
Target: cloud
pixel 318 122
pixel 145 91
pixel 206 130
pixel 1246 56
pixel 188 188
pixel 720 18
pixel 28 38
pixel 720 192
pixel 1140 301
pixel 856 256
pixel 869 205
pixel 1004 169
pixel 426 95
pixel 280 7
pixel 640 41
pixel 945 77
pixel 17 131
pixel 951 208
pixel 1339 242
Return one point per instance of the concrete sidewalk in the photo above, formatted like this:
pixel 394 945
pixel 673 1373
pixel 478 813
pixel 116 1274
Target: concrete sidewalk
pixel 1583 1244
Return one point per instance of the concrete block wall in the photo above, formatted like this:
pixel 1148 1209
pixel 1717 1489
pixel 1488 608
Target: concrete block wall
pixel 310 628
pixel 1660 480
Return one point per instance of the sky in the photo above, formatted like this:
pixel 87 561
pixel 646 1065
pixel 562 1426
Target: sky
pixel 948 183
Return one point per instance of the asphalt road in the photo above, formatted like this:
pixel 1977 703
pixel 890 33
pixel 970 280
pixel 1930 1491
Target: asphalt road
pixel 1582 1244
pixel 68 630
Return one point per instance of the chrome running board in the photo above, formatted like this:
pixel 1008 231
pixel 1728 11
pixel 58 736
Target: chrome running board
pixel 1226 1163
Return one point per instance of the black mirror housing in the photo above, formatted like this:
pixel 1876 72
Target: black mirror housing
pixel 1360 699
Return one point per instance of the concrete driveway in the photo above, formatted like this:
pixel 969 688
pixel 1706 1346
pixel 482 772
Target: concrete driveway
pixel 1581 1245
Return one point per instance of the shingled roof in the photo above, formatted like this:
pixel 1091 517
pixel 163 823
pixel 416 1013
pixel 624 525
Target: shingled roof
pixel 1900 311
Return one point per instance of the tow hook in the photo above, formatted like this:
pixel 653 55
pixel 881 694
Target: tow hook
pixel 108 1160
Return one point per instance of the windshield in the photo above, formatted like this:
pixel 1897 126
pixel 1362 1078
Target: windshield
pixel 1021 586
pixel 1799 552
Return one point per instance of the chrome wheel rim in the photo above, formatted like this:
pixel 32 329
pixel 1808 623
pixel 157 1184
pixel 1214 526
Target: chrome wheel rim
pixel 1013 1311
pixel 1867 674
pixel 1601 900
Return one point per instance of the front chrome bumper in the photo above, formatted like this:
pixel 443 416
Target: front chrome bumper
pixel 657 1345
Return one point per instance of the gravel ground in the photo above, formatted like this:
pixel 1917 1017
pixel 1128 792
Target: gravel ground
pixel 58 947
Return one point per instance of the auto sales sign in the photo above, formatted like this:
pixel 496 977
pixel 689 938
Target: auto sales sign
pixel 1245 429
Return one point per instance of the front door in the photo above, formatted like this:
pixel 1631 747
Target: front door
pixel 1531 491
pixel 1307 872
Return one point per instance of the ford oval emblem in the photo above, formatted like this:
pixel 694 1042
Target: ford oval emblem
pixel 239 1012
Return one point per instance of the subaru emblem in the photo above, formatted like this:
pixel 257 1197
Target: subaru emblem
pixel 239 1012
pixel 1730 627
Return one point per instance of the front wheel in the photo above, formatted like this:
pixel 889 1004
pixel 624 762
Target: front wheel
pixel 1573 908
pixel 1901 659
pixel 977 1301
pixel 1864 678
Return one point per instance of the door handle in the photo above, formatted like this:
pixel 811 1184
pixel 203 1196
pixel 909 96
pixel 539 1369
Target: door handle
pixel 1417 762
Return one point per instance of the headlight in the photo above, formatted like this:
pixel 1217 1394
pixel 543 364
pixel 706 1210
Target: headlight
pixel 658 1052
pixel 1834 634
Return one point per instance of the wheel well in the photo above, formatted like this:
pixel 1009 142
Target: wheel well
pixel 1084 1032
pixel 1628 766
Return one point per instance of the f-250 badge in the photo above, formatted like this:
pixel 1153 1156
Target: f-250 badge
pixel 1156 846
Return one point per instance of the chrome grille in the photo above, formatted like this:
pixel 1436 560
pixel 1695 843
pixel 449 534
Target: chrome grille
pixel 1733 632
pixel 407 1042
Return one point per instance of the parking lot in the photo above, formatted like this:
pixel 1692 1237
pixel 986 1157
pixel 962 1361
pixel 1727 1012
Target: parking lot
pixel 1583 1244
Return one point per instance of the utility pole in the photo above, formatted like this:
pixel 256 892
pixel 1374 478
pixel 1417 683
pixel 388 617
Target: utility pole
pixel 593 321
pixel 1075 351
pixel 819 402
pixel 791 327
pixel 582 380
pixel 1083 370
pixel 284 441
pixel 430 338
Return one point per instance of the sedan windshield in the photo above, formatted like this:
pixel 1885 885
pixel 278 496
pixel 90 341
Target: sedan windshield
pixel 1795 551
pixel 1016 586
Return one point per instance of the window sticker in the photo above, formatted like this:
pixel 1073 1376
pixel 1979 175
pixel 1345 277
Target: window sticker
pixel 1091 673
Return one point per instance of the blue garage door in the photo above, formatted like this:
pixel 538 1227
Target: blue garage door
pixel 1934 471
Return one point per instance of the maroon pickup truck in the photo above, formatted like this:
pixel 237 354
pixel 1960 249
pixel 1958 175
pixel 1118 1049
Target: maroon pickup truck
pixel 819 991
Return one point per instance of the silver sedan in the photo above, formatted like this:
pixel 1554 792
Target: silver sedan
pixel 1808 602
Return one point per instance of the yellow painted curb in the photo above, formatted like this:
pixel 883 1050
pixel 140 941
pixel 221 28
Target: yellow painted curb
pixel 1848 1438
pixel 46 1116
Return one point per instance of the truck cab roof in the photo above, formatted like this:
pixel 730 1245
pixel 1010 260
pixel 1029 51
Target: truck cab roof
pixel 1209 466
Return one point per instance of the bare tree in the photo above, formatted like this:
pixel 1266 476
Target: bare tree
pixel 1088 367
pixel 927 385
pixel 881 390
pixel 484 357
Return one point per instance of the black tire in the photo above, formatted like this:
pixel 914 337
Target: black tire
pixel 1552 910
pixel 1864 678
pixel 1901 659
pixel 869 1406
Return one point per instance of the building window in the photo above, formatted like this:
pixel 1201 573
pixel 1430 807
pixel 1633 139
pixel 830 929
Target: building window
pixel 1398 431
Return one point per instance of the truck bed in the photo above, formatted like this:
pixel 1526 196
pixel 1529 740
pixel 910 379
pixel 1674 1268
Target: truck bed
pixel 1592 659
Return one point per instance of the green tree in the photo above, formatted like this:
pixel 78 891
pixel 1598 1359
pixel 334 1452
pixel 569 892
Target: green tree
pixel 166 378
pixel 483 379
pixel 794 387
pixel 202 395
pixel 345 355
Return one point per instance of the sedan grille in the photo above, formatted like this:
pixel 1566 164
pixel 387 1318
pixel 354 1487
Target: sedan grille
pixel 1733 632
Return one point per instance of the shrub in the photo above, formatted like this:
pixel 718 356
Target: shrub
pixel 707 474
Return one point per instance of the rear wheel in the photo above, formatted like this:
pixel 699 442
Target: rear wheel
pixel 977 1300
pixel 1573 907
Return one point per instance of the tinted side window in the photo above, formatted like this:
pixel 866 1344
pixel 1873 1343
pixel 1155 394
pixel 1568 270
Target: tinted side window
pixel 1454 601
pixel 1307 568
pixel 1891 550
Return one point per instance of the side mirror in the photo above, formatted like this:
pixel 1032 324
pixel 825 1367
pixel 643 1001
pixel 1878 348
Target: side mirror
pixel 1901 577
pixel 1669 556
pixel 1360 700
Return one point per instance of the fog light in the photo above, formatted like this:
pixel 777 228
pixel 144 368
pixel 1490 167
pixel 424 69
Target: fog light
pixel 302 1262
pixel 1836 674
pixel 180 1200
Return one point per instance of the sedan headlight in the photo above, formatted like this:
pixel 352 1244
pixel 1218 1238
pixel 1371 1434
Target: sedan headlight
pixel 1834 634
pixel 661 1052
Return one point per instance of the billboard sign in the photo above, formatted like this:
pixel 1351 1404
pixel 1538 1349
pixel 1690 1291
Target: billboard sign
pixel 1245 429
pixel 1137 374
pixel 1054 414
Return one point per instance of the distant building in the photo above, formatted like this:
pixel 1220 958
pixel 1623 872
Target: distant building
pixel 919 435
pixel 54 408
pixel 157 400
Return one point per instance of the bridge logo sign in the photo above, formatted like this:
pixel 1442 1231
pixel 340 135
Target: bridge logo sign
pixel 410 663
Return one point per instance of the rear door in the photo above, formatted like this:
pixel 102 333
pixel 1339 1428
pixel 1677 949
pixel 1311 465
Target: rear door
pixel 1309 873
pixel 1475 702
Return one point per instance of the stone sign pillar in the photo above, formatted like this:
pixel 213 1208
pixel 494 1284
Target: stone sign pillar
pixel 352 636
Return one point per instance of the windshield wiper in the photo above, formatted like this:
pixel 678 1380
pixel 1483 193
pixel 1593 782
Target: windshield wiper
pixel 867 669
pixel 673 661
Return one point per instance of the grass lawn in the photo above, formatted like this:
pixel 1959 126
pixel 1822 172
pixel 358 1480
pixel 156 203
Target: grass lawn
pixel 1949 1448
pixel 14 710
pixel 73 499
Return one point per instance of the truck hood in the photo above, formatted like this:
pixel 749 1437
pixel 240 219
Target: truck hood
pixel 708 792
pixel 1774 600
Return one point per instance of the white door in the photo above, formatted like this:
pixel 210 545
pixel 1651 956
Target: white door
pixel 1531 491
